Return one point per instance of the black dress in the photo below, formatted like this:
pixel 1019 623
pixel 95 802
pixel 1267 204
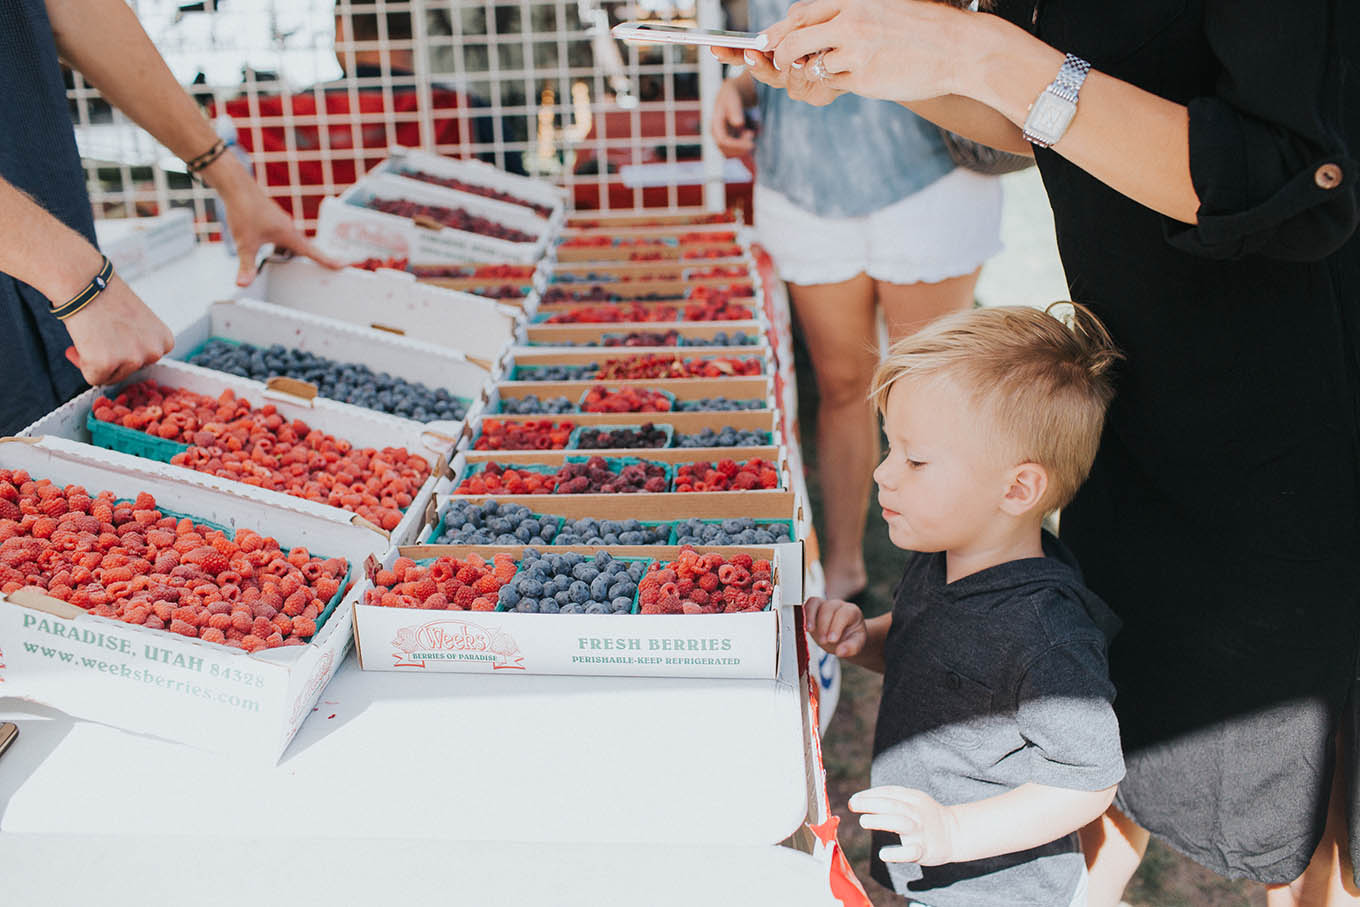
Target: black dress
pixel 1222 517
pixel 38 155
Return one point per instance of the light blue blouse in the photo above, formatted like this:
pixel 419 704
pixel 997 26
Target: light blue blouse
pixel 847 159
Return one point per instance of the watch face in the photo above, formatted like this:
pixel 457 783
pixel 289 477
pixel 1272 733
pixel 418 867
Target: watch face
pixel 1049 116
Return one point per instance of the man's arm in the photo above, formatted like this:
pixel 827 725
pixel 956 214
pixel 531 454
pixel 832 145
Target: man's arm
pixel 104 40
pixel 116 334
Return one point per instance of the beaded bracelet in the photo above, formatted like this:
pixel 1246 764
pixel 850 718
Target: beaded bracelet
pixel 87 295
pixel 206 158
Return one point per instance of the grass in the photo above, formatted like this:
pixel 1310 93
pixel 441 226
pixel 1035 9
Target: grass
pixel 1165 878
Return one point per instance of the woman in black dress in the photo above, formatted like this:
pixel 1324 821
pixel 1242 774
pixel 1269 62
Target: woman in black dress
pixel 1205 198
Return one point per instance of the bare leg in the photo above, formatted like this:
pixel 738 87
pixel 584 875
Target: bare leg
pixel 909 307
pixel 839 328
pixel 1114 846
pixel 1328 881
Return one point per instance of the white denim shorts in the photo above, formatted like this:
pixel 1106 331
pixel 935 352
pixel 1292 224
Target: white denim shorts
pixel 946 230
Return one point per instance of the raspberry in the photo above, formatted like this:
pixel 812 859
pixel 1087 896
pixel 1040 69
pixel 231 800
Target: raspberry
pixel 220 621
pixel 463 598
pixel 487 585
pixel 252 643
pixel 482 603
pixel 303 627
pixel 53 507
pixel 43 527
pixel 183 628
pixel 423 589
pixel 242 621
pixel 437 602
pixel 213 634
pixel 10 510
pixel 386 578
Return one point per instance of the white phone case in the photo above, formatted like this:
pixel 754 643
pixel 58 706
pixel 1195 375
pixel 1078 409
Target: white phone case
pixel 656 33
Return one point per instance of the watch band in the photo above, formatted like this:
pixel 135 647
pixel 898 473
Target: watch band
pixel 1067 86
pixel 87 295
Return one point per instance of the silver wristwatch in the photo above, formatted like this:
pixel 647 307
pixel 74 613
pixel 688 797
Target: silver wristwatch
pixel 1052 112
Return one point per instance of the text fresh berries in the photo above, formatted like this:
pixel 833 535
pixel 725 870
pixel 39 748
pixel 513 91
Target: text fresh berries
pixel 128 561
pixel 229 438
pixel 706 584
pixel 726 475
pixel 447 584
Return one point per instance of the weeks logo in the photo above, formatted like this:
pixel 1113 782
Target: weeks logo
pixel 374 235
pixel 456 640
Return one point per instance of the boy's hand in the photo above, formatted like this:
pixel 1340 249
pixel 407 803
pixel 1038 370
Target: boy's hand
pixel 836 626
pixel 928 830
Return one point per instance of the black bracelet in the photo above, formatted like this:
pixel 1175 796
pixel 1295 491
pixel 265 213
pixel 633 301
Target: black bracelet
pixel 203 160
pixel 87 295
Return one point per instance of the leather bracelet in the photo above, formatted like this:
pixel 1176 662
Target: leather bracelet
pixel 206 158
pixel 96 286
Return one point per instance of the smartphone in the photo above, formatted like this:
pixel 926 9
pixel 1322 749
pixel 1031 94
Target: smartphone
pixel 8 731
pixel 656 33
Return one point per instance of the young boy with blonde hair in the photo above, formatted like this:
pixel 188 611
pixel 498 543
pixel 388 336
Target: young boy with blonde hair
pixel 996 740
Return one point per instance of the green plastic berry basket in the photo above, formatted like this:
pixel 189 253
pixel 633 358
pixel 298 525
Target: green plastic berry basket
pixel 574 442
pixel 779 479
pixel 441 526
pixel 645 561
pixel 616 465
pixel 675 529
pixel 651 524
pixel 766 439
pixel 475 469
pixel 581 403
pixel 131 441
pixel 331 605
pixel 547 417
pixel 204 345
pixel 501 411
pixel 519 371
pixel 762 404
pixel 662 565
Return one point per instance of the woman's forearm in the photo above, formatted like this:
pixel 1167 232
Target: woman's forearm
pixel 973 120
pixel 1132 140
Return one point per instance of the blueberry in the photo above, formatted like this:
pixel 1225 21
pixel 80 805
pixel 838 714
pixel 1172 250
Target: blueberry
pixel 509 596
pixel 549 606
pixel 621 605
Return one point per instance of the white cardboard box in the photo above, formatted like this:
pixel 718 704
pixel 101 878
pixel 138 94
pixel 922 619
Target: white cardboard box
pixel 361 427
pixel 482 174
pixel 263 324
pixel 139 245
pixel 346 226
pixel 390 301
pixel 742 645
pixel 153 681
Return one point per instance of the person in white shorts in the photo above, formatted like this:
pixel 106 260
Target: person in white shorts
pixel 862 208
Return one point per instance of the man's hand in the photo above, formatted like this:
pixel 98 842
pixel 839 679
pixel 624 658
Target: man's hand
pixel 928 830
pixel 728 124
pixel 115 335
pixel 255 219
pixel 836 626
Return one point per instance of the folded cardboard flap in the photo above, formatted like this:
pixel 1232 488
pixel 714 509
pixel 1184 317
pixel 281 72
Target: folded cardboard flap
pixel 357 520
pixel 483 364
pixel 38 600
pixel 304 391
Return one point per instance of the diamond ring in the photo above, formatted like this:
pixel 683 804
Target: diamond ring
pixel 819 69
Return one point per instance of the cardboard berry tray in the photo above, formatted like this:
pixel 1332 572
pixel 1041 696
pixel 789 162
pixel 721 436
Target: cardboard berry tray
pixel 738 645
pixel 538 336
pixel 524 189
pixel 156 682
pixel 391 302
pixel 262 325
pixel 611 220
pixel 647 309
pixel 349 227
pixel 745 388
pixel 360 427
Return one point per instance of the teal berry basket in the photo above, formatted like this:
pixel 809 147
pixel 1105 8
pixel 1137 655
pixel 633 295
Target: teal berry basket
pixel 590 370
pixel 616 465
pixel 131 441
pixel 574 442
pixel 676 539
pixel 442 526
pixel 581 402
pixel 331 605
pixel 645 561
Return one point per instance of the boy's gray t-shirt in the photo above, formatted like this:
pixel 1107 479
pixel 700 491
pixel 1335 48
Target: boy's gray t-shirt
pixel 993 681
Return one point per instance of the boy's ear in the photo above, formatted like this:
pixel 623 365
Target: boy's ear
pixel 1028 485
